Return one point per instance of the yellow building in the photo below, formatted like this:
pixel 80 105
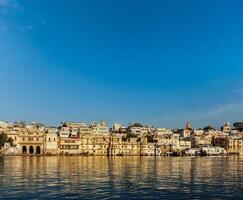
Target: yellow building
pixel 51 141
pixel 31 141
pixel 232 145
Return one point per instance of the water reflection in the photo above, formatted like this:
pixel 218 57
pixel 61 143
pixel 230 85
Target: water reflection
pixel 120 177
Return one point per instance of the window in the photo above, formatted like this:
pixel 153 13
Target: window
pixel 49 139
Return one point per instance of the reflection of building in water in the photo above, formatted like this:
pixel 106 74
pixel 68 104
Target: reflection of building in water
pixel 96 176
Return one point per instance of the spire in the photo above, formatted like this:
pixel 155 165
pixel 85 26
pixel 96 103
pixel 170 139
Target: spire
pixel 188 126
pixel 103 123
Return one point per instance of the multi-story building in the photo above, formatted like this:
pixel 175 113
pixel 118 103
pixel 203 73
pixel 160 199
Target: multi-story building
pixel 31 141
pixel 226 128
pixel 163 132
pixel 232 145
pixel 51 141
pixel 69 145
pixel 100 128
pixel 201 140
pixel 137 129
pixel 97 139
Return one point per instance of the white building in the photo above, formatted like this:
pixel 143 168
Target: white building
pixel 213 151
pixel 100 128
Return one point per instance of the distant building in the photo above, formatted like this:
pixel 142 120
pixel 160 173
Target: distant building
pixel 233 145
pixel 186 132
pixel 77 138
pixel 226 128
pixel 137 129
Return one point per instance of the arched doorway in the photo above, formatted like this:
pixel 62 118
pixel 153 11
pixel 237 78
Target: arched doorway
pixel 31 149
pixel 24 150
pixel 38 150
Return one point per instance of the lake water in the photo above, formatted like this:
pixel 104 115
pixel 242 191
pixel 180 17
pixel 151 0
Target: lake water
pixel 121 178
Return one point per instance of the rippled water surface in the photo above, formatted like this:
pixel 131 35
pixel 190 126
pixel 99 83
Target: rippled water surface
pixel 121 178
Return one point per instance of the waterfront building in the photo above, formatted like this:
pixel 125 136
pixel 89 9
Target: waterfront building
pixel 86 144
pixel 201 139
pixel 77 138
pixel 184 144
pixel 116 145
pixel 172 141
pixel 193 152
pixel 51 141
pixel 69 145
pixel 130 147
pixel 13 134
pixel 213 151
pixel 31 141
pixel 232 145
pixel 101 144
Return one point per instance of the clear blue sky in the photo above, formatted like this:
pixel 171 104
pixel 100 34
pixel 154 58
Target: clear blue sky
pixel 154 62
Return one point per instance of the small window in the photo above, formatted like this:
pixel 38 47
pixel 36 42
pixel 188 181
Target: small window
pixel 49 139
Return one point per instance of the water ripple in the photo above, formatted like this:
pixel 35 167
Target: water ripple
pixel 121 178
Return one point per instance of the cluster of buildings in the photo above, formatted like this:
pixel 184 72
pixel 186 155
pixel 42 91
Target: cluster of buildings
pixel 76 138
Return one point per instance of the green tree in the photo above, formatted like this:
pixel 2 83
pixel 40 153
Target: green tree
pixel 208 128
pixel 4 138
pixel 238 125
pixel 150 138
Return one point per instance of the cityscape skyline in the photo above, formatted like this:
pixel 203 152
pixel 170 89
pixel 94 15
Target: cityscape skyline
pixel 161 63
pixel 89 123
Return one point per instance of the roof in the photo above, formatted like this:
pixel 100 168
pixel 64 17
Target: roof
pixel 136 125
pixel 188 126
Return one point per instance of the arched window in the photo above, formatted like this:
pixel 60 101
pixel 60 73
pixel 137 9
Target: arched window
pixel 31 149
pixel 49 139
pixel 38 150
pixel 24 150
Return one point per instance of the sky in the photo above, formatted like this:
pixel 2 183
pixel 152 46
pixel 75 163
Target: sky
pixel 159 62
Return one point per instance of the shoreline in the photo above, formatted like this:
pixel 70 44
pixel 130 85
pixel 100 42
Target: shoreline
pixel 74 155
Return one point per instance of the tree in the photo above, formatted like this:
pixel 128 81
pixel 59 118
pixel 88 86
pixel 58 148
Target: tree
pixel 209 128
pixel 238 125
pixel 4 138
pixel 150 138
